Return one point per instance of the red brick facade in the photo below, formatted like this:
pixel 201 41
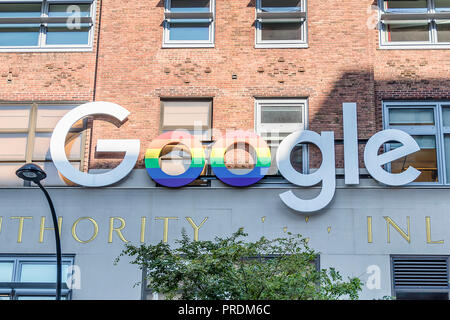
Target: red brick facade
pixel 128 66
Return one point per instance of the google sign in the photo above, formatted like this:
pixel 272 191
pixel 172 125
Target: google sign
pixel 326 174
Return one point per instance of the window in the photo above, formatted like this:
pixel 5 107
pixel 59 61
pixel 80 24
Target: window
pixel 25 132
pixel 275 120
pixel 194 116
pixel 33 277
pixel 189 23
pixel 420 277
pixel 429 124
pixel 281 24
pixel 46 25
pixel 415 23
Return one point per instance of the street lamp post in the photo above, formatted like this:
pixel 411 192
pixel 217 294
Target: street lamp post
pixel 32 172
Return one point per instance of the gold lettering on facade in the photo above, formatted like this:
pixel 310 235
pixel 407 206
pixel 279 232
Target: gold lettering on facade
pixel 117 230
pixel 20 232
pixel 390 222
pixel 428 227
pixel 43 228
pixel 369 230
pixel 143 224
pixel 195 227
pixel 74 229
pixel 166 226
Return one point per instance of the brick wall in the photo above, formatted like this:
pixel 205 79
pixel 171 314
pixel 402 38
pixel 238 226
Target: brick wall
pixel 342 64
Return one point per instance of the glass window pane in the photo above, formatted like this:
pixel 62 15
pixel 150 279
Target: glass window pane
pixel 41 272
pixel 447 156
pixel 69 10
pixel 446 115
pixel 19 37
pixel 186 114
pixel 6 271
pixel 411 116
pixel 189 31
pixel 281 31
pixel 14 117
pixel 42 146
pixel 424 160
pixel 48 116
pixel 66 36
pixel 280 5
pixel 271 114
pixel 408 32
pixel 13 146
pixel 12 10
pixel 405 4
pixel 443 32
pixel 5 297
pixel 189 6
pixel 442 5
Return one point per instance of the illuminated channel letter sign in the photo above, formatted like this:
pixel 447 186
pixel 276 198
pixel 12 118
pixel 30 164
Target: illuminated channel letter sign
pixel 58 141
pixel 325 142
pixel 175 137
pixel 263 158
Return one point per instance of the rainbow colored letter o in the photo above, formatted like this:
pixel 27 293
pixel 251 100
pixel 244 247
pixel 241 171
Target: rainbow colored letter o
pixel 263 160
pixel 180 137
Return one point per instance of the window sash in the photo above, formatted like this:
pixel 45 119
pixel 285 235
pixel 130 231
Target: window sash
pixel 15 289
pixel 274 133
pixel 191 17
pixel 31 131
pixel 281 17
pixel 430 15
pixel 438 130
pixel 44 22
pixel 199 104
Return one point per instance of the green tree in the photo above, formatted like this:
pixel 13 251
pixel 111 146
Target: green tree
pixel 231 268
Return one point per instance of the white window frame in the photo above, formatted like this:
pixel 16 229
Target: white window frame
pixel 207 136
pixel 31 131
pixel 431 44
pixel 16 288
pixel 267 44
pixel 41 47
pixel 260 129
pixel 438 130
pixel 167 43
